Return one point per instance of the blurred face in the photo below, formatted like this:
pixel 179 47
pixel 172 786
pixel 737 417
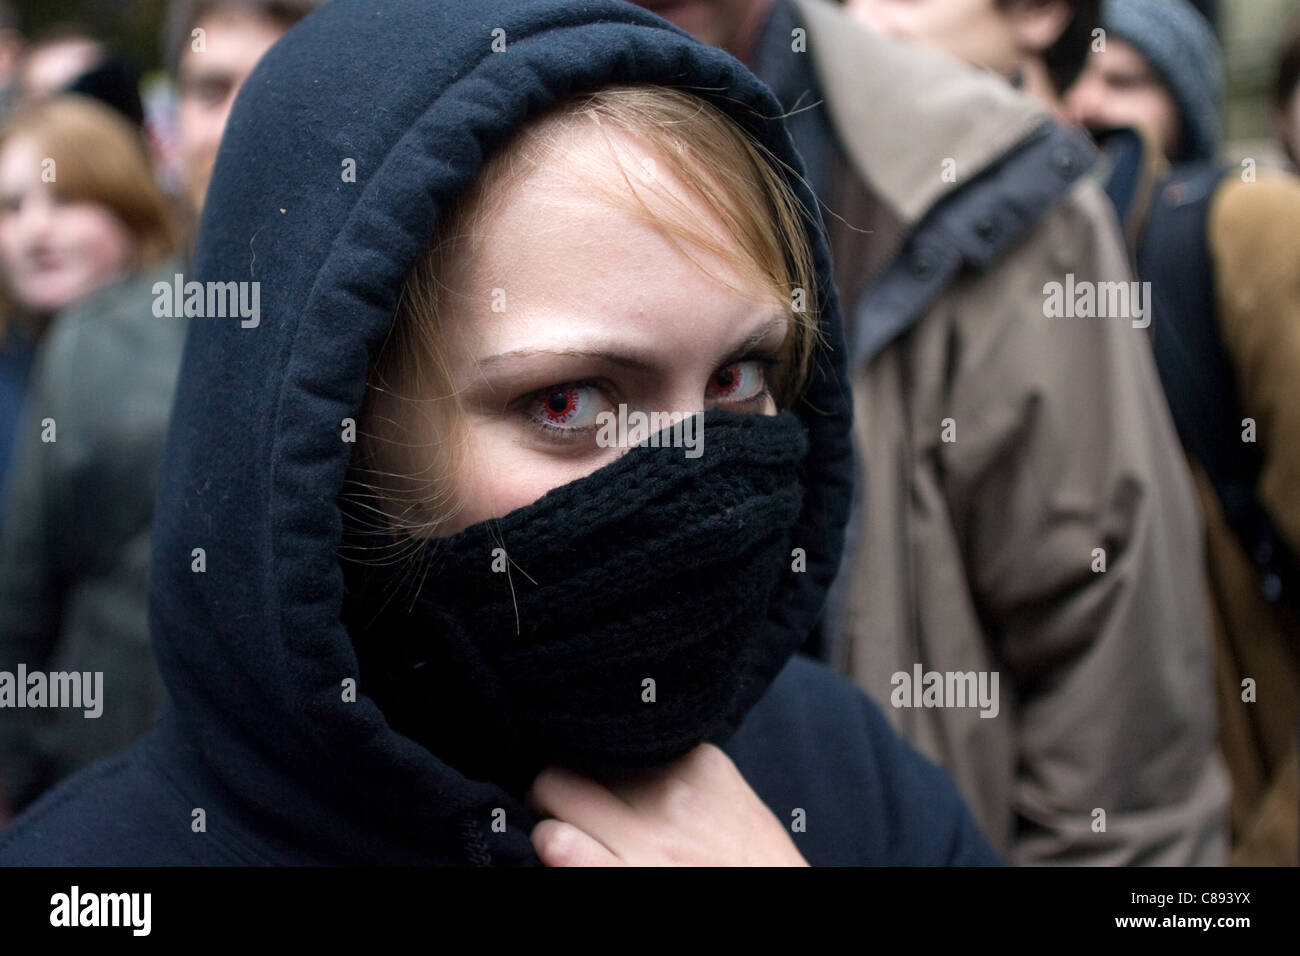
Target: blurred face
pixel 51 67
pixel 600 310
pixel 11 54
pixel 1117 88
pixel 730 24
pixel 208 80
pixel 975 31
pixel 53 252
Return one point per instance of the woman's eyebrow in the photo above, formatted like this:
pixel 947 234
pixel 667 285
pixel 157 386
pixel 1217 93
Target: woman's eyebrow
pixel 630 359
pixel 774 322
pixel 624 359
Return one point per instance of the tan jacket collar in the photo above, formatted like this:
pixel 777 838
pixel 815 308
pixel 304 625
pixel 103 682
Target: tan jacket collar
pixel 902 112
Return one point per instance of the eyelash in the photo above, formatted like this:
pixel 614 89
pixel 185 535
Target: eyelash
pixel 529 401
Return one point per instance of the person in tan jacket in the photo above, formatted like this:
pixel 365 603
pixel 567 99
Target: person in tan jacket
pixel 1253 234
pixel 1240 253
pixel 1025 515
pixel 1221 247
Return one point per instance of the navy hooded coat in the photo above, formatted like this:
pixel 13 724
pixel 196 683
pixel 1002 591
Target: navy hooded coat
pixel 256 733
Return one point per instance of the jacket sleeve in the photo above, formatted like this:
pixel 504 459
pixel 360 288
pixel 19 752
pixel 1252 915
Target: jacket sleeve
pixel 826 762
pixel 29 591
pixel 74 574
pixel 1084 554
pixel 1254 235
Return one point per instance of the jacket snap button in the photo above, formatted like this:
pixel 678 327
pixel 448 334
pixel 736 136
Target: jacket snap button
pixel 921 265
pixel 986 229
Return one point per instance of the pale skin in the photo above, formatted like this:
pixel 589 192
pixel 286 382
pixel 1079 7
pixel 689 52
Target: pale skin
pixel 1117 88
pixel 600 309
pixel 972 30
pixel 53 251
pixel 698 811
pixel 52 66
pixel 208 80
pixel 1002 38
pixel 594 308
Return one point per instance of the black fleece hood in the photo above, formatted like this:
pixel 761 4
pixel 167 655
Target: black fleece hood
pixel 247 586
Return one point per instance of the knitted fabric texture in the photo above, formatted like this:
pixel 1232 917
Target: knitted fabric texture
pixel 269 721
pixel 533 637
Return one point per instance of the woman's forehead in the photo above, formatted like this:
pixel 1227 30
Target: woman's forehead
pixel 580 267
pixel 590 212
pixel 591 270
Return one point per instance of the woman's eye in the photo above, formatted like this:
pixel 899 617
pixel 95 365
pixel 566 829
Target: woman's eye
pixel 210 91
pixel 567 407
pixel 738 382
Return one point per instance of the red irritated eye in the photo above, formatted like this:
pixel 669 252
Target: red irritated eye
pixel 738 382
pixel 566 407
pixel 560 405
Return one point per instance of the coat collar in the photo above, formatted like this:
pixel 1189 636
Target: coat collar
pixel 901 111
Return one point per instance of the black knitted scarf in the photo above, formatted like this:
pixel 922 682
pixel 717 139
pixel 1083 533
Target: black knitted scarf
pixel 605 627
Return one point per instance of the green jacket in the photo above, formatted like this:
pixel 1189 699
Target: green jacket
pixel 74 557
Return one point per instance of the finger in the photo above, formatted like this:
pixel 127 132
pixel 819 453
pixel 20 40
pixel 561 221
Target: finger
pixel 677 788
pixel 583 802
pixel 557 843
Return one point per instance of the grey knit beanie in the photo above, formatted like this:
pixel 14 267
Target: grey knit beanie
pixel 1180 46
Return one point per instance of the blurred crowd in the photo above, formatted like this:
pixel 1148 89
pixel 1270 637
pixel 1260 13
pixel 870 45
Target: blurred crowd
pixel 101 198
pixel 1103 509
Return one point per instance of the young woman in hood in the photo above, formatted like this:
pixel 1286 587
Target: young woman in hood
pixel 423 592
pixel 630 254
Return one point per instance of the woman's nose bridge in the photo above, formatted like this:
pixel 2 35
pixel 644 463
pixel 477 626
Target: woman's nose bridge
pixel 35 215
pixel 685 393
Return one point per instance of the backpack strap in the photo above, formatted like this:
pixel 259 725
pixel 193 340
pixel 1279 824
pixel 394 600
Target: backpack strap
pixel 1120 171
pixel 1199 380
